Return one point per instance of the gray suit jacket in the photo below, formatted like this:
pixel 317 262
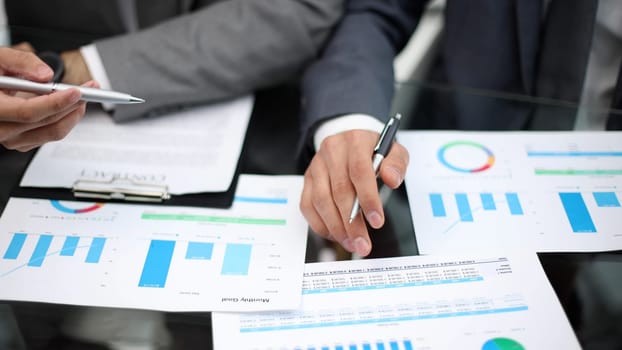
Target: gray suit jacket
pixel 183 52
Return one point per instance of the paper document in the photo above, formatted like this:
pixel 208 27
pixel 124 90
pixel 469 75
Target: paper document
pixel 191 151
pixel 537 191
pixel 248 257
pixel 418 302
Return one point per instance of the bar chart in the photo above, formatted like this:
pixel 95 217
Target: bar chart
pixel 576 209
pixel 236 260
pixel 248 257
pixel 419 302
pixel 562 190
pixel 575 163
pixel 41 251
pixel 404 344
pixel 465 208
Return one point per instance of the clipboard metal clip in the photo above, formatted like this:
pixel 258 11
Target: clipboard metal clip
pixel 123 189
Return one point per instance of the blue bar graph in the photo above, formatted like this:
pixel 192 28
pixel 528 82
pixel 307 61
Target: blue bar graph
pixel 41 250
pixel 157 264
pixel 513 203
pixel 438 208
pixel 237 259
pixel 95 250
pixel 15 247
pixel 606 199
pixel 464 209
pixel 70 246
pixel 488 202
pixel 199 251
pixel 378 345
pixel 577 212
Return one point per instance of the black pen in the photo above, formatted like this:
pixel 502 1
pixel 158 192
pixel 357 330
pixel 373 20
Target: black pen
pixel 380 152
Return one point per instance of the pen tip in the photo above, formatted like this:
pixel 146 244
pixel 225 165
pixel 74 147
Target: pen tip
pixel 350 221
pixel 136 100
pixel 398 116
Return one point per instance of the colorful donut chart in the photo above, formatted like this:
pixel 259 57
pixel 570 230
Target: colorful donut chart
pixel 87 209
pixel 489 161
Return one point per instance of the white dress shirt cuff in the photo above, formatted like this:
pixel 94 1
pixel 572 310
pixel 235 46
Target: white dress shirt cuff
pixel 345 123
pixel 96 68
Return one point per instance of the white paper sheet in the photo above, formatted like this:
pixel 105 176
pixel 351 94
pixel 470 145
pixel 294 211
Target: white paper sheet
pixel 419 302
pixel 191 151
pixel 248 257
pixel 538 191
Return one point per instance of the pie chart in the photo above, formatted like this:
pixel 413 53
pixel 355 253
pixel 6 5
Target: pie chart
pixel 502 344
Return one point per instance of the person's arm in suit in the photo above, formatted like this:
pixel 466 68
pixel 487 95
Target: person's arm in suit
pixel 220 51
pixel 354 76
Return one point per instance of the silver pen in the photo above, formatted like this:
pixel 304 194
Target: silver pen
pixel 380 152
pixel 87 94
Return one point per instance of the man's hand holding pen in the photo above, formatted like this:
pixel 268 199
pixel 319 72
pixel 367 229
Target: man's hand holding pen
pixel 341 171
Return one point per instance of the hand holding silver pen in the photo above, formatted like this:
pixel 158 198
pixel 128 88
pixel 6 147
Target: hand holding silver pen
pixel 87 94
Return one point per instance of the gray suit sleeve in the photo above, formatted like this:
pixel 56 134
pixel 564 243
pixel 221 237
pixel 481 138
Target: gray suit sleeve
pixel 227 49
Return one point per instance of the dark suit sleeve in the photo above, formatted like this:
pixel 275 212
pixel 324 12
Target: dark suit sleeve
pixel 355 72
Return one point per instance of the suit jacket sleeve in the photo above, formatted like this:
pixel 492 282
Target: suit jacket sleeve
pixel 226 49
pixel 355 72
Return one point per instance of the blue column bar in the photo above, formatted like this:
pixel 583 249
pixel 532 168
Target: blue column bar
pixel 488 202
pixel 577 212
pixel 70 245
pixel 464 209
pixel 379 346
pixel 514 203
pixel 438 208
pixel 338 347
pixel 41 250
pixel 157 264
pixel 15 247
pixel 352 347
pixel 237 259
pixel 96 249
pixel 199 251
pixel 325 348
pixel 394 345
pixel 408 345
pixel 606 199
pixel 366 346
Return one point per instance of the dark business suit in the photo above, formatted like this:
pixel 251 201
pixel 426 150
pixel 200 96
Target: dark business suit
pixel 498 45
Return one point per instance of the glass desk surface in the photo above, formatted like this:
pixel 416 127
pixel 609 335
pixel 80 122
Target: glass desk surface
pixel 587 284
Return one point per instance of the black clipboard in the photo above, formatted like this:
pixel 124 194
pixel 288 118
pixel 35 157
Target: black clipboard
pixel 222 200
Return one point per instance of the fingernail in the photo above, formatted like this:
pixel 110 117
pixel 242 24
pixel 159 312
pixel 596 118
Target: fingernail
pixel 362 247
pixel 374 219
pixel 75 96
pixel 397 176
pixel 44 70
pixel 347 244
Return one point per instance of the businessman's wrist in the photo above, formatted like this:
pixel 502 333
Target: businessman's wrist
pixel 345 123
pixel 76 70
